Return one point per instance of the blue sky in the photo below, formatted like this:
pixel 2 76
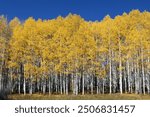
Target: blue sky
pixel 88 9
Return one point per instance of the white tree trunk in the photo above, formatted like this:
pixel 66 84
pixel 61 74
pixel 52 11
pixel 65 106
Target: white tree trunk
pixel 143 74
pixel 120 68
pixel 110 70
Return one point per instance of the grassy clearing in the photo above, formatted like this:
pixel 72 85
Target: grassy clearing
pixel 80 97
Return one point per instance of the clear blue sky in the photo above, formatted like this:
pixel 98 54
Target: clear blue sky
pixel 88 9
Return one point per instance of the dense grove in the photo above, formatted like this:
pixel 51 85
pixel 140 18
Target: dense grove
pixel 69 55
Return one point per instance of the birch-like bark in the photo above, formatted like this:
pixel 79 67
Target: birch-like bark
pixel 120 68
pixel 49 84
pixel 110 70
pixel 67 84
pixel 61 87
pixel 19 79
pixel 92 84
pixel 83 75
pixel 31 78
pixel 76 83
pixel 143 72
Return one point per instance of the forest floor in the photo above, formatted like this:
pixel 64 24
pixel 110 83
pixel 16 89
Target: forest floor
pixel 80 97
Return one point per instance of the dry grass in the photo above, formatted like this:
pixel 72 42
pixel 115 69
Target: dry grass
pixel 80 97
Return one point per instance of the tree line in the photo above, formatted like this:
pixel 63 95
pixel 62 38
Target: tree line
pixel 69 55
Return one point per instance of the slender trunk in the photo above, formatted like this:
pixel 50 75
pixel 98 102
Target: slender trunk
pixel 24 86
pixel 148 70
pixel 76 83
pixel 61 87
pixel 73 80
pixel 66 84
pixel 103 86
pixel 147 82
pixel 125 82
pixel 120 68
pixel 128 74
pixel 83 83
pixel 19 79
pixel 56 82
pixel 137 65
pixel 148 76
pixel 143 74
pixel 24 81
pixel 31 85
pixel 44 85
pixel 11 82
pixel 52 83
pixel 79 82
pixel 49 84
pixel 132 76
pixel 97 87
pixel 135 76
pixel 92 84
pixel 110 77
pixel 114 77
pixel 143 77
